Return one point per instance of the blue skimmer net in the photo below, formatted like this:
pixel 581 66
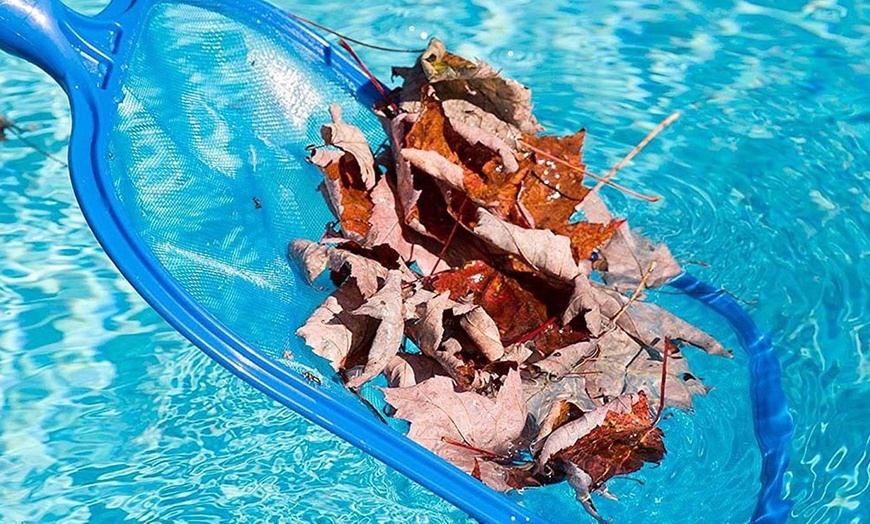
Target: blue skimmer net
pixel 187 157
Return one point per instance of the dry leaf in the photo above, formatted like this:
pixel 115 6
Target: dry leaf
pixel 406 370
pixel 314 258
pixel 540 248
pixel 333 332
pixel 350 139
pixel 386 306
pixel 483 331
pixel 438 413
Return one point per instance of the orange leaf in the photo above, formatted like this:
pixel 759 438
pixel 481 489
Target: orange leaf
pixel 620 445
pixel 519 308
pixel 348 196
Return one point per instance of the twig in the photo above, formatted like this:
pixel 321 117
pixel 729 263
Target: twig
pixel 668 346
pixel 349 39
pixel 564 163
pixel 18 132
pixel 637 149
pixel 636 293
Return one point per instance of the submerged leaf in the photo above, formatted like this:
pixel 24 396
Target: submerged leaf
pixel 439 415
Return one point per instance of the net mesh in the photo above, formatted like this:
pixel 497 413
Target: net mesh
pixel 207 157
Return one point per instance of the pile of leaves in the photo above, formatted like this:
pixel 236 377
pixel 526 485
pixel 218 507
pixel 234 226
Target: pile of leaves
pixel 503 302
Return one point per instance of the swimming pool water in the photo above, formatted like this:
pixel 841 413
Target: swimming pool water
pixel 107 414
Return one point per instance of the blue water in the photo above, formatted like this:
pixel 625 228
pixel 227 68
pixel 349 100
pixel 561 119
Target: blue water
pixel 106 413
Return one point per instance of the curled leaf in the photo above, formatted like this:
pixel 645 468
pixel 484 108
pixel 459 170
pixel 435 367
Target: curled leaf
pixel 483 331
pixel 333 332
pixel 351 140
pixel 314 258
pixel 540 248
pixel 386 306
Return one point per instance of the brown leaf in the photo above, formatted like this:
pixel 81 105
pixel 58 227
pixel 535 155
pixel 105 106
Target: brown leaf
pixel 584 301
pixel 622 443
pixel 436 166
pixel 543 392
pixel 388 229
pixel 333 332
pixel 351 140
pixel 482 92
pixel 439 414
pixel 628 255
pixel 540 248
pixel 569 434
pixel 552 191
pixel 345 191
pixel 483 331
pixel 651 324
pixel 386 306
pixel 563 360
pixel 623 366
pixel 314 258
pixel 518 309
pixel 406 370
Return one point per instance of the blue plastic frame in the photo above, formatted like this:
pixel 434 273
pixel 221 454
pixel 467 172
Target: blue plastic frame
pixel 83 55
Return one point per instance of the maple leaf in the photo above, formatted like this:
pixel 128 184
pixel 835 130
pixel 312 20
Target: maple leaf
pixel 619 445
pixel 623 365
pixel 439 416
pixel 651 324
pixel 551 193
pixel 627 255
pixel 584 300
pixel 345 192
pixel 408 369
pixel 615 439
pixel 540 248
pixel 426 313
pixel 386 306
pixel 518 309
pixel 333 332
pixel 351 140
pixel 476 91
pixel 315 258
pixel 388 229
pixel 483 331
pixel 560 362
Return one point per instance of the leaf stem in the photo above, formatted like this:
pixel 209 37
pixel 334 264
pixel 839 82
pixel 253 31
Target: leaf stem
pixel 485 453
pixel 535 332
pixel 668 347
pixel 377 83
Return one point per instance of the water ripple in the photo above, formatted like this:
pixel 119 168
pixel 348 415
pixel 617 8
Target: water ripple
pixel 107 414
